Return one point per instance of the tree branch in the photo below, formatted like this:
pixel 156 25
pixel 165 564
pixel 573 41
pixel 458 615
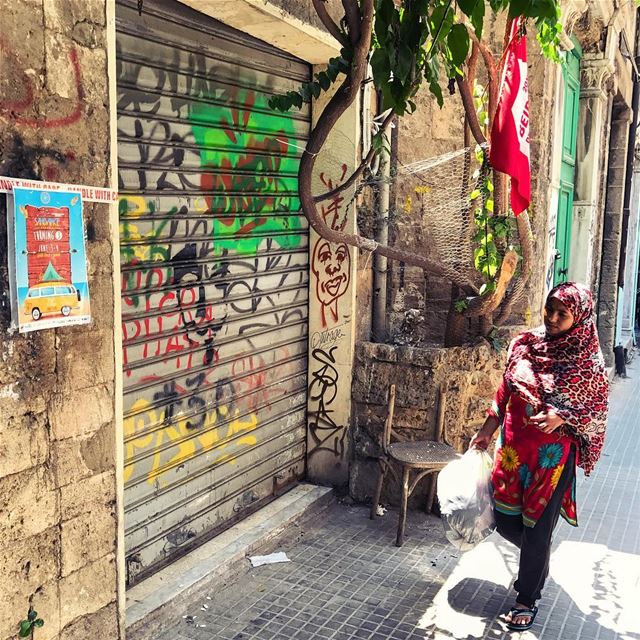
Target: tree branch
pixel 524 234
pixel 352 14
pixel 499 179
pixel 492 72
pixel 483 305
pixel 470 110
pixel 472 64
pixel 358 172
pixel 327 21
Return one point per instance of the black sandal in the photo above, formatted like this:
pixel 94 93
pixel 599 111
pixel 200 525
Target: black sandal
pixel 514 612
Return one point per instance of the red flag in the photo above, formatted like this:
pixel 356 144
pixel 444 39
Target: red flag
pixel 509 152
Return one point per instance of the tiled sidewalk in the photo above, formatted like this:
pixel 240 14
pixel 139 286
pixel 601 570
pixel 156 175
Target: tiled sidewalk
pixel 348 580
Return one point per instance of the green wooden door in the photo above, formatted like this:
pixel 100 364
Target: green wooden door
pixel 571 76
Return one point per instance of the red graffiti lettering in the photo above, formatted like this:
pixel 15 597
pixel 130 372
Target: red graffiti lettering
pixel 331 212
pixel 11 108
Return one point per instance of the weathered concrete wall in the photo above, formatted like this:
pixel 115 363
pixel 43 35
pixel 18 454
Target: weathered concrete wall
pixel 303 10
pixel 57 467
pixel 332 300
pixel 468 375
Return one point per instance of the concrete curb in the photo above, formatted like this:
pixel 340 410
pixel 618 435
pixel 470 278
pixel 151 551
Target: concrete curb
pixel 168 592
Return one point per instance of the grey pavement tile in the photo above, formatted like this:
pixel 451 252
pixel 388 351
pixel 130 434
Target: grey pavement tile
pixel 342 635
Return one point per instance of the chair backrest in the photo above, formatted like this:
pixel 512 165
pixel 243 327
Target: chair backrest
pixel 389 432
pixel 388 429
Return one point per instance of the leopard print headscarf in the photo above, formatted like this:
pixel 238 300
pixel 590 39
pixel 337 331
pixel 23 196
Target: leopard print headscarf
pixel 566 373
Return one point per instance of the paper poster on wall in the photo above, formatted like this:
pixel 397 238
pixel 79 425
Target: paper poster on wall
pixel 47 259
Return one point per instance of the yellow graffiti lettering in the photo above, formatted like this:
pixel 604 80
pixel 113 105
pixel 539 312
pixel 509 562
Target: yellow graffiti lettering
pixel 136 205
pixel 145 435
pixel 200 205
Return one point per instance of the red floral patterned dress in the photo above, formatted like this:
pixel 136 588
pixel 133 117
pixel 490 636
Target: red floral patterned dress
pixel 528 462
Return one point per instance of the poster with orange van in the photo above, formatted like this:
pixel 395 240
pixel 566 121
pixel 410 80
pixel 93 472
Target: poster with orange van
pixel 48 264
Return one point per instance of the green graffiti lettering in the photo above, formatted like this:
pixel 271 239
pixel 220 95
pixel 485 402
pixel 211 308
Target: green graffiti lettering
pixel 252 175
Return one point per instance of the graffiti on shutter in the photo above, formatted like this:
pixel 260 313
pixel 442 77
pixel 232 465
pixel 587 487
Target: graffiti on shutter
pixel 214 261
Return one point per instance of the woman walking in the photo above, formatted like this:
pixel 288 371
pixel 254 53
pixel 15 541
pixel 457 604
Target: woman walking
pixel 552 409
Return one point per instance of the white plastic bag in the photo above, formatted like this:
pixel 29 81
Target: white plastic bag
pixel 466 499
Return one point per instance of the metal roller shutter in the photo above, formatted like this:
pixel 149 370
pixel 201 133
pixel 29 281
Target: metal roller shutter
pixel 214 260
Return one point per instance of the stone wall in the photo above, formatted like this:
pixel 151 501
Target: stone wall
pixel 58 530
pixel 467 375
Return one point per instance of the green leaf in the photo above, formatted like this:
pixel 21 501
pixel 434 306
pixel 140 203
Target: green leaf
pixel 404 64
pixel 39 623
pixel 503 231
pixel 323 80
pixel 440 23
pixel 476 193
pixel 488 205
pixel 25 629
pixel 458 41
pixel 432 73
pixel 518 8
pixel 385 10
pixel 488 244
pixel 500 230
pixel 460 305
pixel 32 615
pixel 380 67
pixel 436 89
pixel 498 5
pixel 296 99
pixel 477 18
pixel 467 6
pixel 344 65
pixel 544 9
pixel 305 90
pixel 548 35
pixel 275 103
pixel 347 53
pixel 333 68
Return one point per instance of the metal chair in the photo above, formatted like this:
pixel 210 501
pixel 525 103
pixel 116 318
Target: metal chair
pixel 425 457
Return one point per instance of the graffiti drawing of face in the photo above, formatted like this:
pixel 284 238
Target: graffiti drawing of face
pixel 331 265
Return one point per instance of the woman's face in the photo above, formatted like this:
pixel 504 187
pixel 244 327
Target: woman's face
pixel 557 317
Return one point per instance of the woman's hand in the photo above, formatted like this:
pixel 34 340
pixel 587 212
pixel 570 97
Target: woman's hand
pixel 482 439
pixel 547 420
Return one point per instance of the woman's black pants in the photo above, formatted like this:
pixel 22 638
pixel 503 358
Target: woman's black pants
pixel 535 542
